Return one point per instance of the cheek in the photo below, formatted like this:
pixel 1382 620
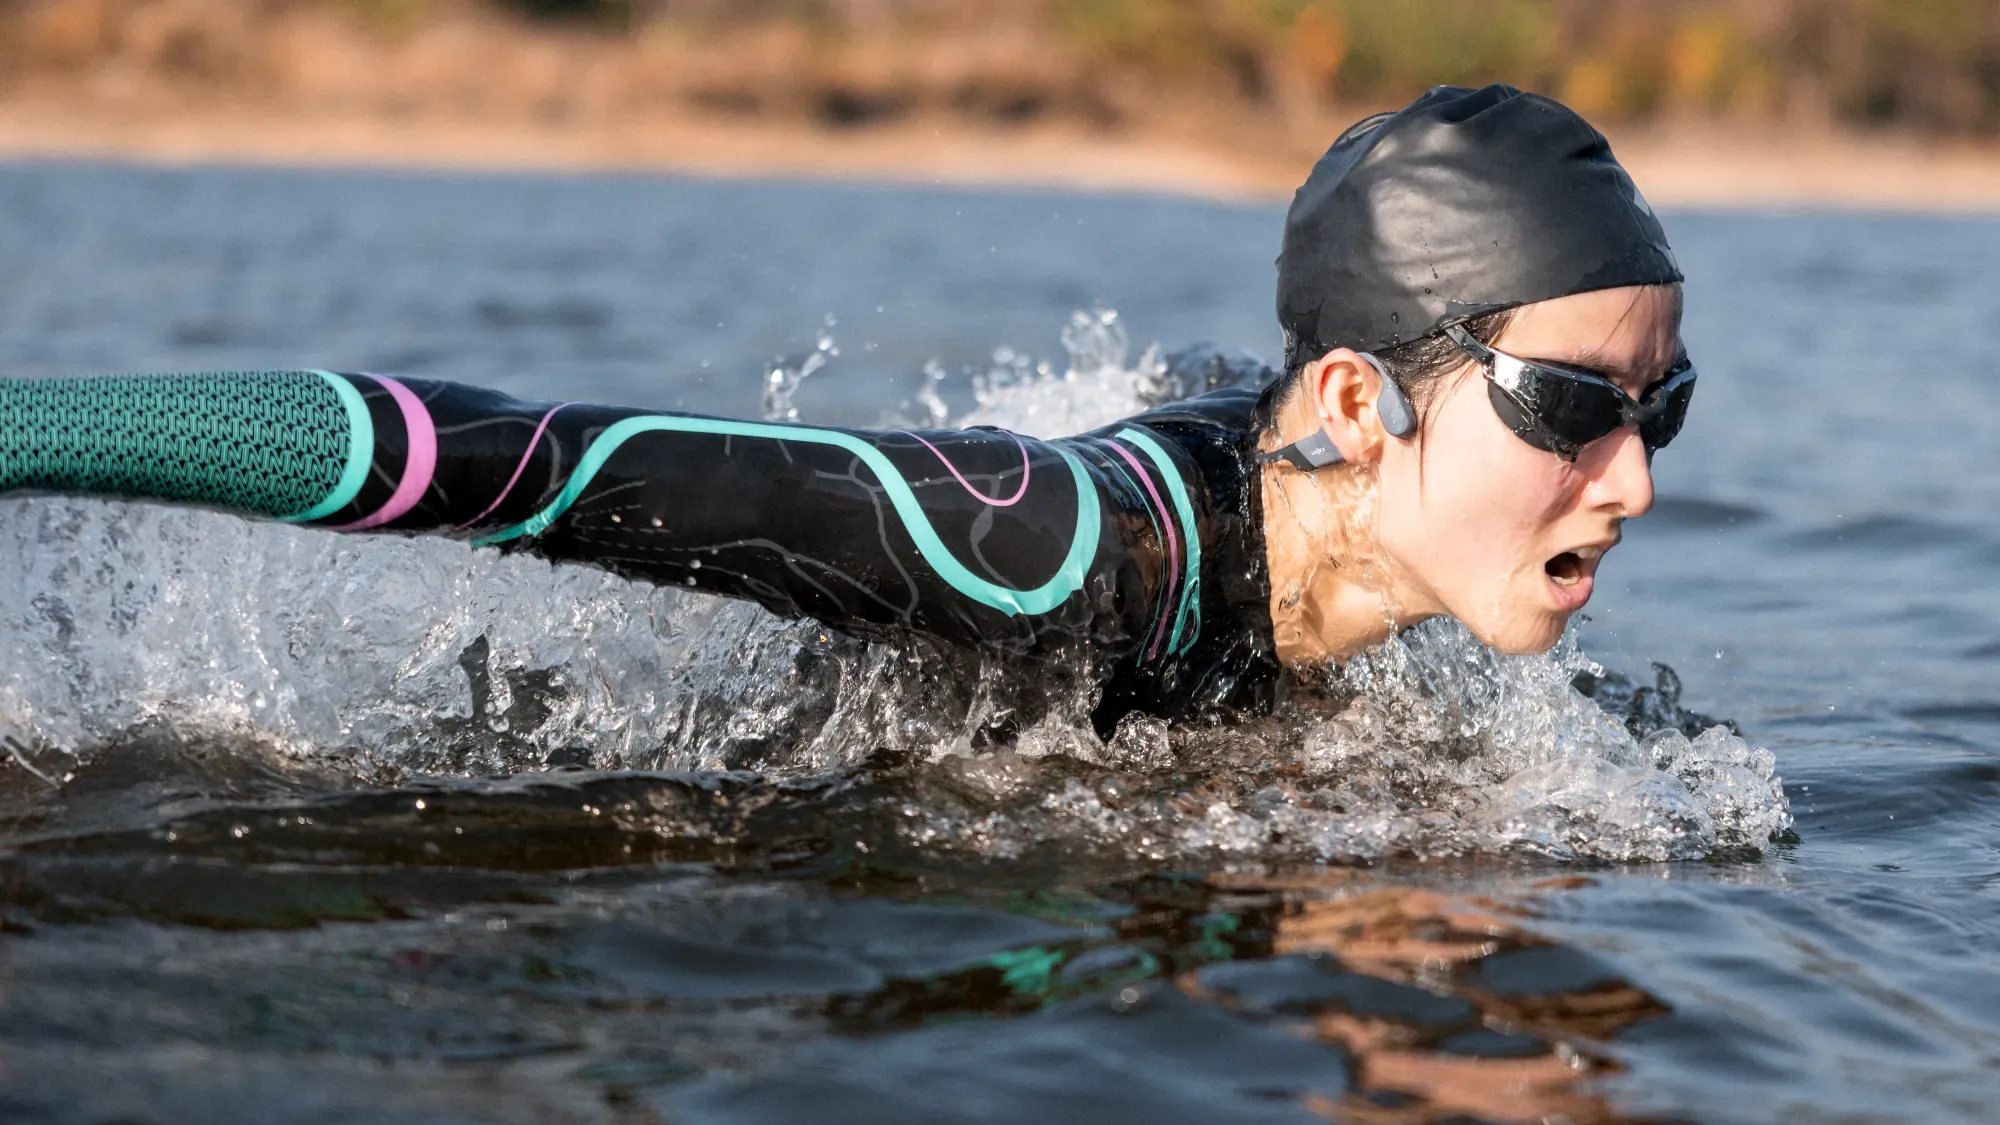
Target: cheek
pixel 1483 497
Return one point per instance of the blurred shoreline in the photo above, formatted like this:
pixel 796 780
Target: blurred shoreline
pixel 1716 103
pixel 1683 166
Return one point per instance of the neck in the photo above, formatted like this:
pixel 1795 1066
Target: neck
pixel 1333 593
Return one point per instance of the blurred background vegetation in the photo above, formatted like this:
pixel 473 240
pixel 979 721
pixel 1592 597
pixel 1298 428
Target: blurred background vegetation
pixel 1923 66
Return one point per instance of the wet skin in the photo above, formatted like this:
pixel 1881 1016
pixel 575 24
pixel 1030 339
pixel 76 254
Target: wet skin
pixel 1462 519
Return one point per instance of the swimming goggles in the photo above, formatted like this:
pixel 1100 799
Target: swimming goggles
pixel 1562 409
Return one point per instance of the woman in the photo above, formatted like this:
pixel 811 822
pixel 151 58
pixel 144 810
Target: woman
pixel 1482 322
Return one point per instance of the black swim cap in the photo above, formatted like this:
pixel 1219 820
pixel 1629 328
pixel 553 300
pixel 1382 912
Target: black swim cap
pixel 1464 203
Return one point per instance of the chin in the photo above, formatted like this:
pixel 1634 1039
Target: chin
pixel 1523 636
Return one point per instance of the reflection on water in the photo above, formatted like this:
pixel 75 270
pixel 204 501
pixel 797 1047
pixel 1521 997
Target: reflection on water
pixel 538 930
pixel 1525 1038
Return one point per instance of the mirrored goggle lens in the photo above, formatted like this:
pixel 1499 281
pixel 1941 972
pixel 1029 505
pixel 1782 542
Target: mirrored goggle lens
pixel 1575 410
pixel 1524 423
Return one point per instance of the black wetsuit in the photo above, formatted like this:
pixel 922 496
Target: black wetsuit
pixel 1138 546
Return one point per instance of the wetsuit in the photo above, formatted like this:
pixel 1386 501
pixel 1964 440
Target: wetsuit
pixel 1138 546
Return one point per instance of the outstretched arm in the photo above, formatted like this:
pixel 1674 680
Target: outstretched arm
pixel 972 536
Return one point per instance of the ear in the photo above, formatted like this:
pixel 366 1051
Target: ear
pixel 1356 404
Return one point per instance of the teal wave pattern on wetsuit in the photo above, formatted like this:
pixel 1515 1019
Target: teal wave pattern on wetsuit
pixel 294 445
pixel 1190 607
pixel 1067 580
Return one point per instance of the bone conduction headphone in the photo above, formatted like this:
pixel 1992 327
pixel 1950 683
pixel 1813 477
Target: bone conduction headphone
pixel 1316 450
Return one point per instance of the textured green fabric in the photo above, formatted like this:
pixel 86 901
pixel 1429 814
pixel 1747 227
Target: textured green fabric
pixel 266 443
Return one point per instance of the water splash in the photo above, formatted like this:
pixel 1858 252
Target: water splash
pixel 1430 745
pixel 1096 388
pixel 1510 747
pixel 784 377
pixel 409 655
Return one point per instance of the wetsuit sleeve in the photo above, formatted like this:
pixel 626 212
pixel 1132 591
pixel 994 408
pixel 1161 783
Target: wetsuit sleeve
pixel 971 536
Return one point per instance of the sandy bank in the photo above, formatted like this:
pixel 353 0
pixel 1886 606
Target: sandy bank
pixel 1677 167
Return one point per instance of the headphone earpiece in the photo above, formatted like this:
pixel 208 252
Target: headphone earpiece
pixel 1316 450
pixel 1393 405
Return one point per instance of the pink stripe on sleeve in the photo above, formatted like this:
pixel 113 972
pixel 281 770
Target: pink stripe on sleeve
pixel 418 470
pixel 989 501
pixel 526 456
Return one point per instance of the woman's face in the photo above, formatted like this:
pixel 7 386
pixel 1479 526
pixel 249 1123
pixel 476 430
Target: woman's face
pixel 1482 526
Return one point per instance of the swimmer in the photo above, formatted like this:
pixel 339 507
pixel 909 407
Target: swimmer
pixel 1481 317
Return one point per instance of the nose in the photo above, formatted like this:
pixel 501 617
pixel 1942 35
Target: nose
pixel 1621 473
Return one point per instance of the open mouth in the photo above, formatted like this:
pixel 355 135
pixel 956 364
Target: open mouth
pixel 1572 567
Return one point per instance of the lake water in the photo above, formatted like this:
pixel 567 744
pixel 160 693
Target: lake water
pixel 313 828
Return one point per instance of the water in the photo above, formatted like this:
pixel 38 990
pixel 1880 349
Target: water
pixel 341 829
